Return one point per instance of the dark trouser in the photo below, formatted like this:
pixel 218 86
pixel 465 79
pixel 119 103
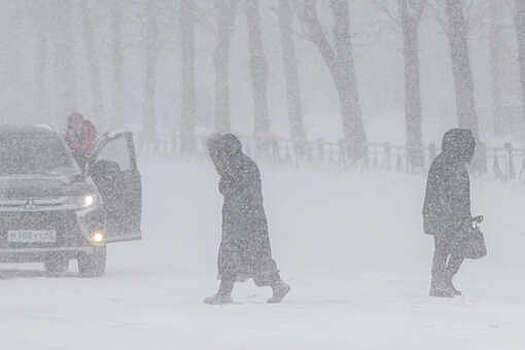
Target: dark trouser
pixel 228 280
pixel 446 262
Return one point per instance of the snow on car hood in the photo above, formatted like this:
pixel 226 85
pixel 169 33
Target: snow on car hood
pixel 23 187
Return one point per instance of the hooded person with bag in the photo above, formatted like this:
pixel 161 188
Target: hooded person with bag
pixel 245 250
pixel 447 208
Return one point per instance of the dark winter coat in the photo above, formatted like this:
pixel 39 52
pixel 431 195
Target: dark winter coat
pixel 245 246
pixel 447 197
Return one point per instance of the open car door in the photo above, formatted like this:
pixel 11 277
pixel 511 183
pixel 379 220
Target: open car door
pixel 114 170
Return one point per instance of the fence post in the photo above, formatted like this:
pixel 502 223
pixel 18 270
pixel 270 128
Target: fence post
pixel 298 147
pixel 399 164
pixel 511 170
pixel 415 156
pixel 276 155
pixel 342 153
pixel 496 168
pixel 288 152
pixel 522 171
pixel 374 158
pixel 309 151
pixel 482 157
pixel 320 149
pixel 388 156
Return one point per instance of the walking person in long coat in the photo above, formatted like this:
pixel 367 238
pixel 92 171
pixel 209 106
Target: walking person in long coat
pixel 245 250
pixel 447 208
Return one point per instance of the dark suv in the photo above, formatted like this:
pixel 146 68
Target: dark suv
pixel 52 211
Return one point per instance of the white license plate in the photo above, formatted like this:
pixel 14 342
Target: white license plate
pixel 32 236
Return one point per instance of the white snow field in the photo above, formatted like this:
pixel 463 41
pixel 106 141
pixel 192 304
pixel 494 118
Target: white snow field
pixel 350 244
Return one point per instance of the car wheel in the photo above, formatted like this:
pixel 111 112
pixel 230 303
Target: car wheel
pixel 92 264
pixel 56 264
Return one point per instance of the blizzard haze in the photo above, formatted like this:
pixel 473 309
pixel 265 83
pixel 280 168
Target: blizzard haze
pixel 342 106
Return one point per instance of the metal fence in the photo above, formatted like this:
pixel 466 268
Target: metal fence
pixel 505 163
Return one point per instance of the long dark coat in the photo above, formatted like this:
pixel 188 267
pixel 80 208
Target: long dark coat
pixel 447 199
pixel 245 250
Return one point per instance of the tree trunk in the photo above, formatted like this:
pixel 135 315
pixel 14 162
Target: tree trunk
pixel 341 66
pixel 344 71
pixel 225 11
pixel 149 116
pixel 41 82
pixel 520 36
pixel 64 68
pixel 94 69
pixel 413 114
pixel 463 81
pixel 188 117
pixel 258 70
pixel 117 119
pixel 291 73
pixel 496 58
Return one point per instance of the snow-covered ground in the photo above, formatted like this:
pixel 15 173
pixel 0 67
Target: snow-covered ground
pixel 350 244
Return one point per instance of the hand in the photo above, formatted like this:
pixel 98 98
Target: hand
pixel 476 221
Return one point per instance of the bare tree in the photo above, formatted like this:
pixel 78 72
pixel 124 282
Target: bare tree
pixel 291 72
pixel 411 12
pixel 39 16
pixel 225 17
pixel 407 18
pixel 496 60
pixel 259 72
pixel 151 51
pixel 188 117
pixel 42 61
pixel 63 60
pixel 520 36
pixel 474 14
pixel 459 52
pixel 117 119
pixel 340 62
pixel 94 68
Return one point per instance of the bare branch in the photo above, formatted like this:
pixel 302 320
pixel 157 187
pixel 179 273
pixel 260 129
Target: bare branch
pixel 387 11
pixel 419 8
pixel 438 13
pixel 307 13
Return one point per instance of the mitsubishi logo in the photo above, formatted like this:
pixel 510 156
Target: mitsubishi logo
pixel 30 204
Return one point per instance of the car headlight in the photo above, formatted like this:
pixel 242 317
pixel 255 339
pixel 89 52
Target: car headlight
pixel 98 236
pixel 84 201
pixel 88 200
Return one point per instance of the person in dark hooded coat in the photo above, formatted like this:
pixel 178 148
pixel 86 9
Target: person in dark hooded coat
pixel 447 207
pixel 245 250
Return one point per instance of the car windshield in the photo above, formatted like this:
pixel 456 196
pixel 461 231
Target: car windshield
pixel 35 154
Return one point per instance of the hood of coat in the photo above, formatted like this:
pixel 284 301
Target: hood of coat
pixel 225 151
pixel 459 145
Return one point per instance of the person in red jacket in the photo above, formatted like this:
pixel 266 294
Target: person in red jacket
pixel 81 137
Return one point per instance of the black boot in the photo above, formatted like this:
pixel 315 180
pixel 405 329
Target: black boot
pixel 218 299
pixel 453 266
pixel 223 295
pixel 280 290
pixel 439 288
pixel 452 287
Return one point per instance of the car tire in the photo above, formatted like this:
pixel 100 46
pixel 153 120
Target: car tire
pixel 56 264
pixel 92 264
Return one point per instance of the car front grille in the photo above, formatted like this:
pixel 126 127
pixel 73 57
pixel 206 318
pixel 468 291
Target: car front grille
pixel 43 204
pixel 63 222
